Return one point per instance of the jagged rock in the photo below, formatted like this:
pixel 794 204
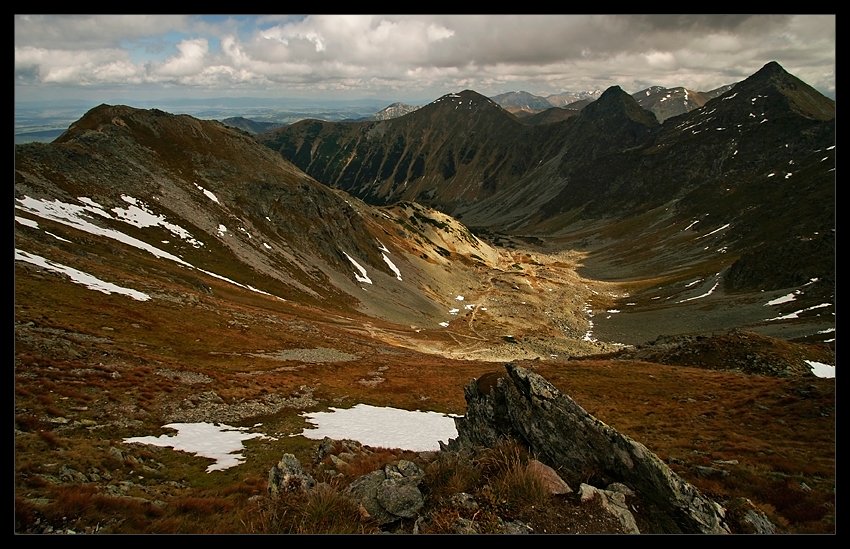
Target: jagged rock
pixel 391 493
pixel 463 500
pixel 516 527
pixel 747 519
pixel 400 497
pixel 612 501
pixel 526 407
pixel 288 475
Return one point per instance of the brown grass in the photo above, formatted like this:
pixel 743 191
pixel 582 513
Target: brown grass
pixel 777 429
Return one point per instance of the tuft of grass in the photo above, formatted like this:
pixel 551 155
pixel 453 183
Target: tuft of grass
pixel 451 473
pixel 515 486
pixel 325 510
pixel 328 511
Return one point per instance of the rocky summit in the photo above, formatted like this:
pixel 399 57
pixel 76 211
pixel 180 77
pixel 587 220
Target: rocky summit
pixel 194 299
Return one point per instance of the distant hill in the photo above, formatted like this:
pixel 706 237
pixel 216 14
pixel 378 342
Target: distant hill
pixel 394 111
pixel 251 126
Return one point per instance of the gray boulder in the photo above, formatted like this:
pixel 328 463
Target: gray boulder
pixel 391 493
pixel 524 406
pixel 289 476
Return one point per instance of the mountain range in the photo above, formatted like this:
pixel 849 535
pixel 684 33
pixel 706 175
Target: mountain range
pixel 432 245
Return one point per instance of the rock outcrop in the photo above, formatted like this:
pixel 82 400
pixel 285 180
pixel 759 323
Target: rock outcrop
pixel 526 407
pixel 390 493
pixel 288 475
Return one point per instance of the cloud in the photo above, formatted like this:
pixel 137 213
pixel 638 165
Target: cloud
pixel 191 59
pixel 78 32
pixel 431 54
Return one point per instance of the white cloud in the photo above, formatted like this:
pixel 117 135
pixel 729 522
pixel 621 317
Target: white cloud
pixel 431 54
pixel 190 61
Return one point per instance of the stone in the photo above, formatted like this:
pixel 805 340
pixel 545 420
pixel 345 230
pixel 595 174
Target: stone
pixel 554 483
pixel 288 476
pixel 387 495
pixel 524 406
pixel 614 503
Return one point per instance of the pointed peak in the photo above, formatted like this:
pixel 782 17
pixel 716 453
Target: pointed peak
pixel 616 102
pixel 611 93
pixel 772 68
pixel 774 80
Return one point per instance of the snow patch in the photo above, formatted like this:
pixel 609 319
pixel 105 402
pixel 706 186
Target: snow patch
pixel 796 314
pixel 79 277
pixel 362 277
pixel 383 427
pixel 821 370
pixel 783 299
pixel 391 266
pixel 219 442
pixel 209 194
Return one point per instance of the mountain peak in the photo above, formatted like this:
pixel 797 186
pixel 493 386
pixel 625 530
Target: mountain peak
pixel 771 68
pixel 614 102
pixel 799 96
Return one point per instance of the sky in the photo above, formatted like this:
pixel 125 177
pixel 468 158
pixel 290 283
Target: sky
pixel 411 58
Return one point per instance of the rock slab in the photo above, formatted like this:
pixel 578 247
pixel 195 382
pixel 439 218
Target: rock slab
pixel 526 407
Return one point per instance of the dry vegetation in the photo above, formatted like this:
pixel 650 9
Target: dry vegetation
pixel 98 369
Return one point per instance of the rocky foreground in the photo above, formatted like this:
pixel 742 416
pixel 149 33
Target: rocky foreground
pixel 524 409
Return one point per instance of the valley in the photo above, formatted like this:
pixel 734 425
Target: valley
pixel 175 270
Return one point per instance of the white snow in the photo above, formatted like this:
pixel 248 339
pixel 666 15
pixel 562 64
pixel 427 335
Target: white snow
pixel 221 229
pixel 79 277
pixel 796 313
pixel 459 298
pixel 139 215
pixel 822 370
pixel 57 237
pixel 76 216
pixel 715 230
pixel 219 442
pixel 26 222
pixel 780 300
pixel 444 324
pixel 706 294
pixel 383 427
pixel 362 277
pixel 392 266
pixel 247 287
pixel 209 194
